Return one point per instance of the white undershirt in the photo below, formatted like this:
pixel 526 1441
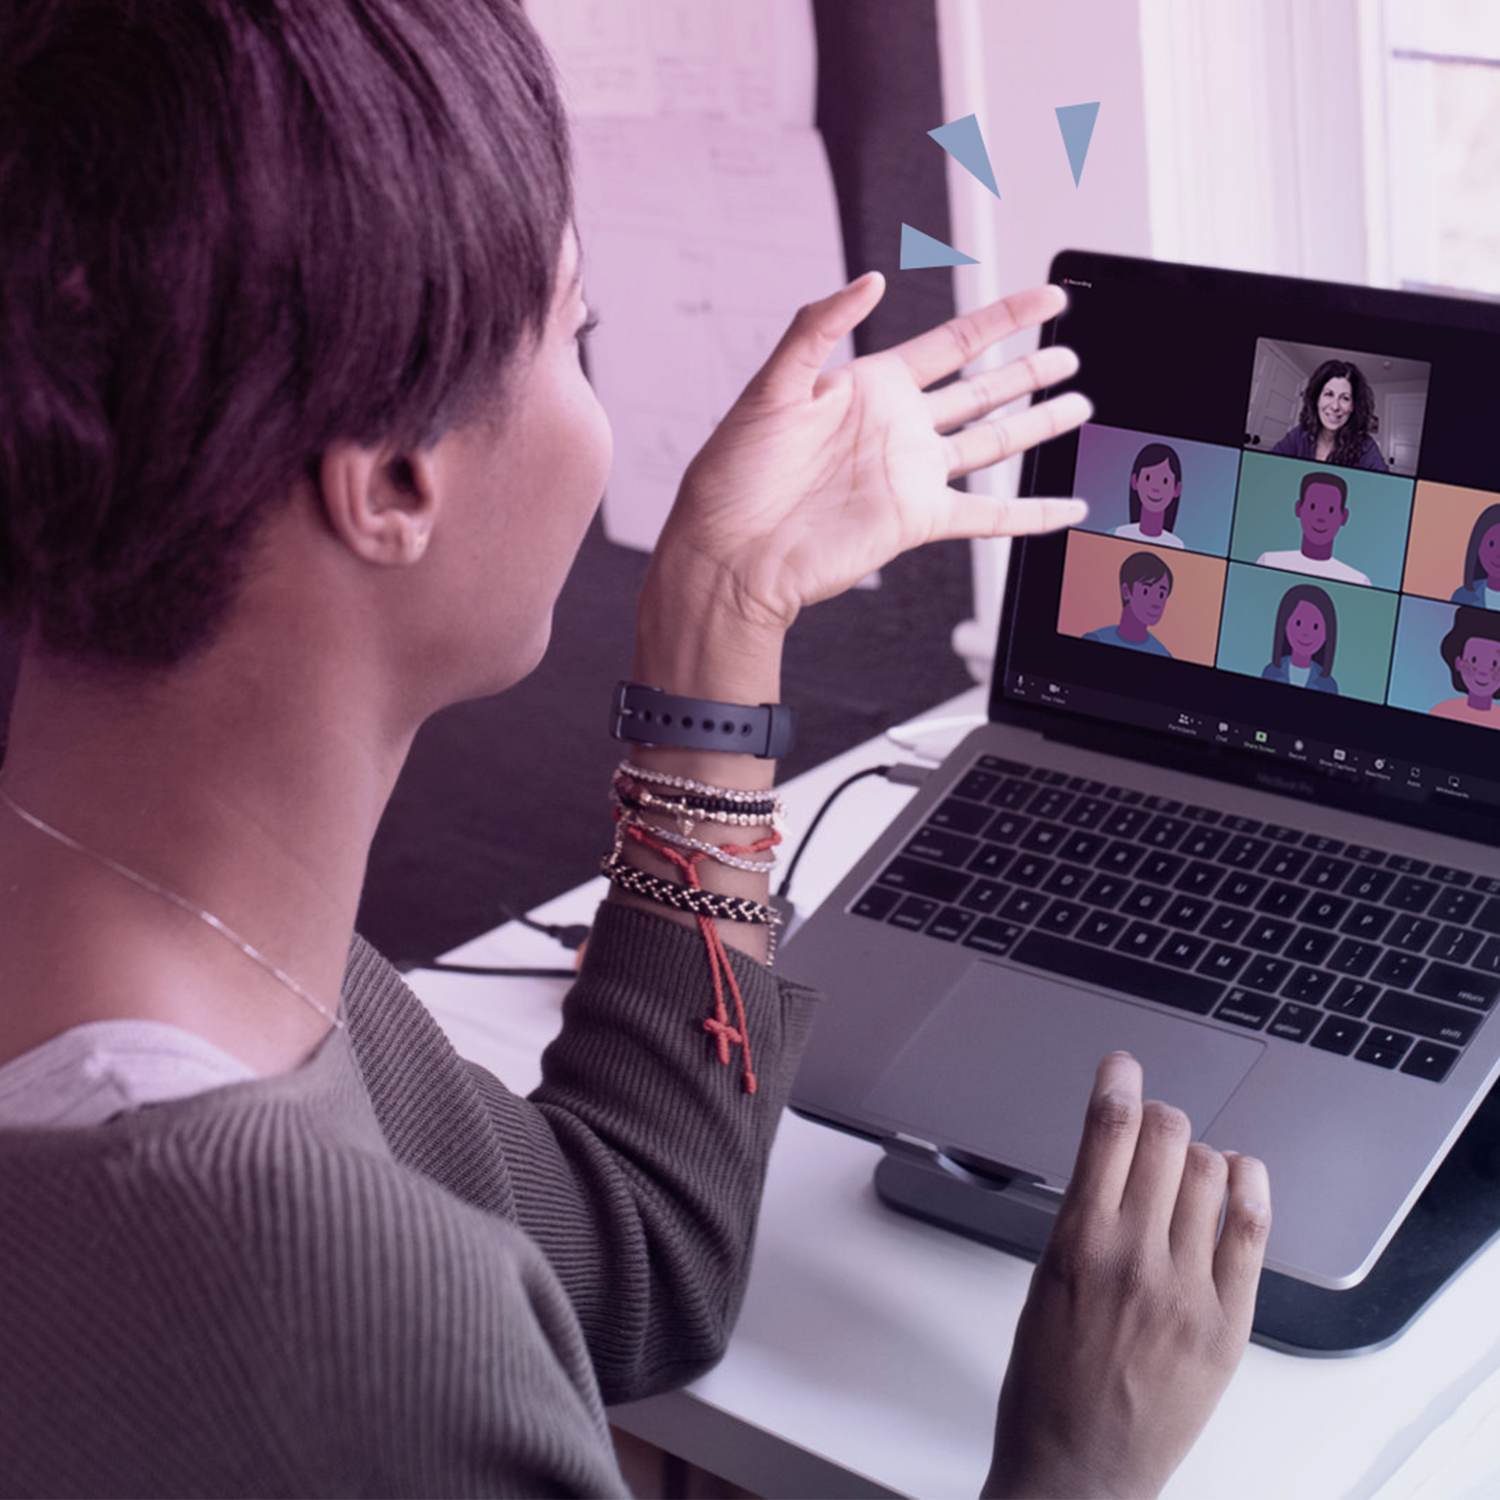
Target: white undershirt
pixel 92 1073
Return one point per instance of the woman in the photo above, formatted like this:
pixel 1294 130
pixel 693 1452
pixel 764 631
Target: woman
pixel 1155 494
pixel 1471 653
pixel 1304 639
pixel 295 448
pixel 1338 412
pixel 1481 582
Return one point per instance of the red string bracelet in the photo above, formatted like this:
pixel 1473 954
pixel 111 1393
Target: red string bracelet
pixel 718 1025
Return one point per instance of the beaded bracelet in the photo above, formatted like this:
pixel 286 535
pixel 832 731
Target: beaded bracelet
pixel 736 856
pixel 686 784
pixel 688 815
pixel 687 898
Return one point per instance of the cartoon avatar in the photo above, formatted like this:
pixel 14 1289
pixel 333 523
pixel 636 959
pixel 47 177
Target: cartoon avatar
pixel 1471 652
pixel 1306 636
pixel 1155 494
pixel 1145 582
pixel 1333 427
pixel 1481 585
pixel 1323 510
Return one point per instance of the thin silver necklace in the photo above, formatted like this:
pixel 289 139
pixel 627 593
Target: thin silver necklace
pixel 180 902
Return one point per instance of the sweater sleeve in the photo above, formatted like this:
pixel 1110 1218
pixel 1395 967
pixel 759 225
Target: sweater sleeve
pixel 638 1163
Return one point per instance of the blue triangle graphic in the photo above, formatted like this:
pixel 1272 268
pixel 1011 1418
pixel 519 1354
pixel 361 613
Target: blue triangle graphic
pixel 1077 122
pixel 962 141
pixel 918 250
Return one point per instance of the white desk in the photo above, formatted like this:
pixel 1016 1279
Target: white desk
pixel 870 1349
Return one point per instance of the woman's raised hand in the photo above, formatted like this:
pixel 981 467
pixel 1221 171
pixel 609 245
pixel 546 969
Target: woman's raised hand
pixel 815 478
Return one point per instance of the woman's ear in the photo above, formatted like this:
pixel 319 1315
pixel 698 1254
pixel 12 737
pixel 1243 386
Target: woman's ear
pixel 380 502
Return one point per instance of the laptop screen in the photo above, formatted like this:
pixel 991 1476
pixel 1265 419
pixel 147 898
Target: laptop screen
pixel 1290 573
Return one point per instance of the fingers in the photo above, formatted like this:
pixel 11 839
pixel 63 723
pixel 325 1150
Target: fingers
pixel 1110 1130
pixel 796 361
pixel 950 346
pixel 987 443
pixel 967 400
pixel 1242 1241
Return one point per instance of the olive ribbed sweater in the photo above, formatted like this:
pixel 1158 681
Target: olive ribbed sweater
pixel 384 1274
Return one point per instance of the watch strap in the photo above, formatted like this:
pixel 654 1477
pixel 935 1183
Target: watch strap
pixel 648 716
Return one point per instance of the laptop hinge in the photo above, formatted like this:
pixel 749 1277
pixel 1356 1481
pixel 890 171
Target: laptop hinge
pixel 1011 1212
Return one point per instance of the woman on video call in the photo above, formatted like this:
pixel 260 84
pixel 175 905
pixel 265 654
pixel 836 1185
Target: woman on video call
pixel 296 449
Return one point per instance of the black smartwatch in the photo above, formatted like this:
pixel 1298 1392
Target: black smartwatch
pixel 648 716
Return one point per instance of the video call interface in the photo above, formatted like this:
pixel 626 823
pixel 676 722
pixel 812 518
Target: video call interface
pixel 1293 540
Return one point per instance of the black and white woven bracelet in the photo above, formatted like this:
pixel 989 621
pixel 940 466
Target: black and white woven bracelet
pixel 685 897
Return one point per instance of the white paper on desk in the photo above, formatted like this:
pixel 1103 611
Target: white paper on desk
pixel 700 240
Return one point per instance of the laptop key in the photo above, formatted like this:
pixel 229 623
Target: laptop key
pixel 1487 960
pixel 1030 870
pixel 1120 858
pixel 1086 812
pixel 1409 894
pixel 1383 1048
pixel 876 903
pixel 1067 880
pixel 1283 863
pixel 1061 917
pixel 1438 1023
pixel 1430 1060
pixel 1296 1023
pixel 1225 924
pixel 1455 906
pixel 1487 918
pixel 1161 869
pixel 1023 906
pixel 1454 945
pixel 1105 890
pixel 991 860
pixel 1012 793
pixel 1324 911
pixel 1369 883
pixel 1367 922
pixel 1223 961
pixel 1462 986
pixel 1186 912
pixel 1308 986
pixel 1339 1034
pixel 923 879
pixel 1244 852
pixel 914 913
pixel 1082 848
pixel 942 846
pixel 976 786
pixel 1181 951
pixel 1268 934
pixel 1146 901
pixel 1203 843
pixel 991 936
pixel 1199 879
pixel 1353 957
pixel 1399 969
pixel 960 816
pixel 1326 873
pixel 1266 973
pixel 1241 890
pixel 1412 934
pixel 1101 927
pixel 1141 939
pixel 1115 970
pixel 985 896
pixel 1352 997
pixel 951 923
pixel 1310 946
pixel 1281 900
pixel 1243 1008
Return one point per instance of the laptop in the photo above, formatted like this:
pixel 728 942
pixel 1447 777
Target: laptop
pixel 1236 808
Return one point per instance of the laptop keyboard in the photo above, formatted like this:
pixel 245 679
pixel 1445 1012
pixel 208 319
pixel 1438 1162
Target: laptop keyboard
pixel 1379 957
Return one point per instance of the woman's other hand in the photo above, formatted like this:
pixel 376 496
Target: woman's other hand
pixel 1140 1307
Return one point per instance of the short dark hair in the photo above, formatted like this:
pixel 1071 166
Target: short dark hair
pixel 1148 458
pixel 1469 621
pixel 1144 567
pixel 1331 480
pixel 237 231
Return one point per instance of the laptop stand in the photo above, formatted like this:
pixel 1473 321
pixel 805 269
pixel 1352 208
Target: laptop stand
pixel 1457 1215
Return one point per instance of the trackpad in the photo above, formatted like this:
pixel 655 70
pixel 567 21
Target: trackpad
pixel 1004 1065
